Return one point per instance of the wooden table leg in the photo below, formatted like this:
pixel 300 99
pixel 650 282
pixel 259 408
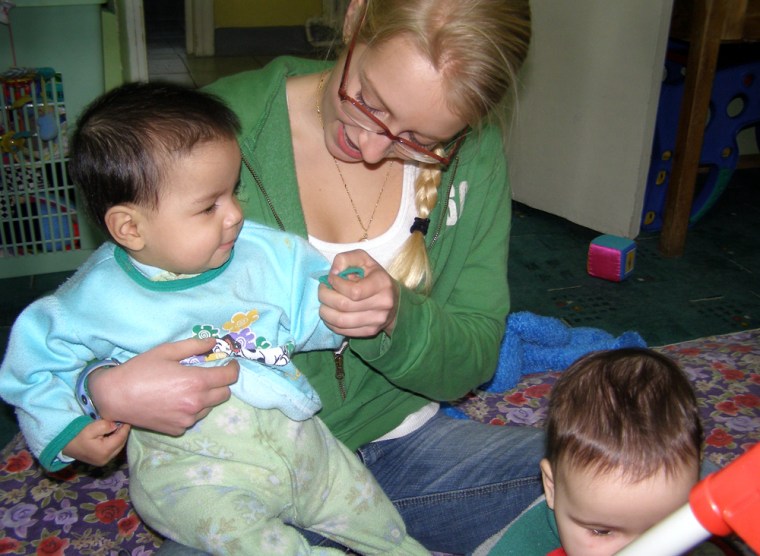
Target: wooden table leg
pixel 707 24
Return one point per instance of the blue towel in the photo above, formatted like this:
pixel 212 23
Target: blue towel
pixel 534 343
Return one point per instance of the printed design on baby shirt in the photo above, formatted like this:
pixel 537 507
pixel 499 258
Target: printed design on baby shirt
pixel 236 338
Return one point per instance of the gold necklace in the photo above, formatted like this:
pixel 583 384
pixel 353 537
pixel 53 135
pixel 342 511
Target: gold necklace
pixel 365 229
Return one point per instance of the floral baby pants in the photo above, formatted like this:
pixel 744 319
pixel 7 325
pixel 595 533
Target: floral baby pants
pixel 242 479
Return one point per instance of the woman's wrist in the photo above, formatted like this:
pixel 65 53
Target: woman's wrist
pixel 393 315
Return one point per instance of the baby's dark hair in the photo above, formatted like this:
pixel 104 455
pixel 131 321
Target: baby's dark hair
pixel 126 138
pixel 630 410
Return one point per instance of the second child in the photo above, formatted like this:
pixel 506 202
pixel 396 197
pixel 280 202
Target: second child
pixel 623 452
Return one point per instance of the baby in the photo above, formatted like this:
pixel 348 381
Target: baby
pixel 159 168
pixel 623 452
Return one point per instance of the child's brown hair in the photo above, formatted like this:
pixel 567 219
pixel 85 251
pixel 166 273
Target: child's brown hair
pixel 631 410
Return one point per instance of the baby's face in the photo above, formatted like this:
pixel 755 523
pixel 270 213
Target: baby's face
pixel 599 514
pixel 199 217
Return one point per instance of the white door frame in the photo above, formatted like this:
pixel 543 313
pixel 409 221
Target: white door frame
pixel 199 34
pixel 199 27
pixel 132 29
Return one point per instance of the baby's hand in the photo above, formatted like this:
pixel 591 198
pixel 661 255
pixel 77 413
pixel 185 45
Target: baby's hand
pixel 350 273
pixel 98 443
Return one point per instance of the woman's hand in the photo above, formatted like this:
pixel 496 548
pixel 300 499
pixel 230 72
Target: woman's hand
pixel 359 307
pixel 153 391
pixel 98 443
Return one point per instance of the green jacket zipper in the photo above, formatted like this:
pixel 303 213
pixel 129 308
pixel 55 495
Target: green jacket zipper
pixel 340 374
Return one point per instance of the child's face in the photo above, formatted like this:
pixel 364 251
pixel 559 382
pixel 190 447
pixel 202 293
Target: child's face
pixel 198 217
pixel 599 514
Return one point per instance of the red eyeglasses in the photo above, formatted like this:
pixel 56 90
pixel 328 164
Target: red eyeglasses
pixel 362 117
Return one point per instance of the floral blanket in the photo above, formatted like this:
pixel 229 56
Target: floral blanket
pixel 86 511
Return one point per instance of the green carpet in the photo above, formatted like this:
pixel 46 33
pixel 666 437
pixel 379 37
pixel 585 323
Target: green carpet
pixel 713 289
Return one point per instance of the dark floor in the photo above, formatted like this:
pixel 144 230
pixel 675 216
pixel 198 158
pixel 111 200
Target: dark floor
pixel 713 289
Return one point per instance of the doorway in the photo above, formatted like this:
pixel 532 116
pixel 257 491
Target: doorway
pixel 164 23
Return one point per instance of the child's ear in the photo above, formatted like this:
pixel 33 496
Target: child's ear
pixel 548 478
pixel 123 224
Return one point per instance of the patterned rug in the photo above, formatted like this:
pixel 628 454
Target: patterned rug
pixel 86 511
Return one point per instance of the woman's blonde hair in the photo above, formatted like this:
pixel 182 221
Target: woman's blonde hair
pixel 478 46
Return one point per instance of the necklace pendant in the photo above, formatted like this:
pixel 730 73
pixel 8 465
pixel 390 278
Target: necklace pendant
pixel 365 237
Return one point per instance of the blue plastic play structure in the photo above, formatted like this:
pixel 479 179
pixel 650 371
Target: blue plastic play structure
pixel 734 106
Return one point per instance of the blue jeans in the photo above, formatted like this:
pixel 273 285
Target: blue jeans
pixel 456 482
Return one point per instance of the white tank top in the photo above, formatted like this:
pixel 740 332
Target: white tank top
pixel 384 247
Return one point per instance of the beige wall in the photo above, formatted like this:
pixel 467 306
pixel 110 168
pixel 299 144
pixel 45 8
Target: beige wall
pixel 264 13
pixel 583 138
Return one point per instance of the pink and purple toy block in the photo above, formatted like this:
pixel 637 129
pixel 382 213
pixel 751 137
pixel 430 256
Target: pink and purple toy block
pixel 611 257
